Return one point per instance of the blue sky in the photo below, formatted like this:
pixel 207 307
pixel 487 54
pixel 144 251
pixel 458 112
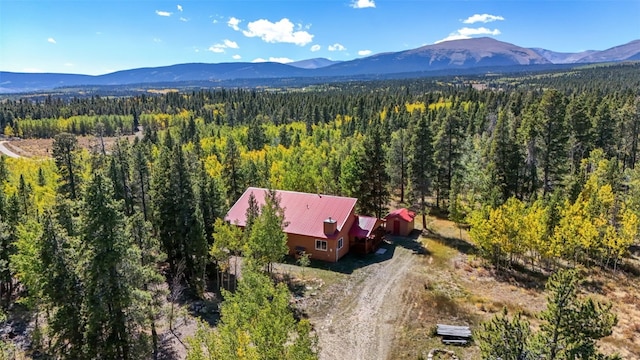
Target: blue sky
pixel 97 37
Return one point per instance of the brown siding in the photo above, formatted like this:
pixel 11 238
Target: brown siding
pixel 405 227
pixel 309 243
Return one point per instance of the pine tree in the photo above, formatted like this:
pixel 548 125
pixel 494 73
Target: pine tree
pixel 176 215
pixel 420 165
pixel 552 140
pixel 504 338
pixel 446 154
pixel 504 159
pixel 115 299
pixel 64 151
pixel 231 171
pixel 63 289
pixel 397 159
pixel 571 326
pixel 374 191
pixel 141 178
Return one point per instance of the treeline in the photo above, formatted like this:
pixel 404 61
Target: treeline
pixel 322 102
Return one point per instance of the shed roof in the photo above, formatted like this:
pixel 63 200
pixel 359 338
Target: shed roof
pixel 304 213
pixel 363 226
pixel 403 213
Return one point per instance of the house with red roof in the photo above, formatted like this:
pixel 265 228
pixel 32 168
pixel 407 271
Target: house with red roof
pixel 400 222
pixel 324 226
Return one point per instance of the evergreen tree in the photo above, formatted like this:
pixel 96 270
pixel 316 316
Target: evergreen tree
pixel 571 326
pixel 552 140
pixel 504 338
pixel 64 151
pixel 397 159
pixel 504 159
pixel 63 289
pixel 141 178
pixel 176 216
pixel 580 132
pixel 114 278
pixel 374 192
pixel 446 154
pixel 231 171
pixel 420 165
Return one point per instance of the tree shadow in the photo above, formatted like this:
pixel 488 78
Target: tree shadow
pixel 351 262
pixel 458 244
pixel 521 276
pixel 168 347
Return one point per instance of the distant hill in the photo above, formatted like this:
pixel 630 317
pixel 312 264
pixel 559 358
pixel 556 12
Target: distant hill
pixel 456 54
pixel 316 63
pixel 469 55
pixel 562 58
pixel 628 51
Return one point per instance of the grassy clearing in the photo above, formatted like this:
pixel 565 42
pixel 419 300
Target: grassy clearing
pixel 454 286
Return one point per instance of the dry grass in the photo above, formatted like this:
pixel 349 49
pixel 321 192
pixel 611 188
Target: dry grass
pixel 456 287
pixel 42 147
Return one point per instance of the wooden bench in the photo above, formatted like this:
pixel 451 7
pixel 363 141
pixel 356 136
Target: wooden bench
pixel 454 335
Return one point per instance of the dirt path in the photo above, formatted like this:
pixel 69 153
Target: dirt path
pixel 357 318
pixel 5 151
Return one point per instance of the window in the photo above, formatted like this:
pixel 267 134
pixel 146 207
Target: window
pixel 340 243
pixel 321 245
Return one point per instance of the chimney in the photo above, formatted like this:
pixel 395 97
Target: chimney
pixel 330 226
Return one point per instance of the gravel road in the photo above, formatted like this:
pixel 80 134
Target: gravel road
pixel 357 318
pixel 5 151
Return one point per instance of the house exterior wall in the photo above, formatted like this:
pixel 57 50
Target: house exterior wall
pixel 408 227
pixel 309 244
pixel 405 228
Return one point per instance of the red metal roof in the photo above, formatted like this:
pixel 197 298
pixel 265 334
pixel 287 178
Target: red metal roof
pixel 304 213
pixel 402 213
pixel 363 226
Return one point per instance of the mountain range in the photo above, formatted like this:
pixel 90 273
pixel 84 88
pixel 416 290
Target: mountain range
pixel 471 55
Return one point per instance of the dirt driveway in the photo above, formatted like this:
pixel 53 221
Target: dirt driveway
pixel 357 318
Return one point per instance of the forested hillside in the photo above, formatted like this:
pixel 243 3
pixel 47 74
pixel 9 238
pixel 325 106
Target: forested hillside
pixel 94 244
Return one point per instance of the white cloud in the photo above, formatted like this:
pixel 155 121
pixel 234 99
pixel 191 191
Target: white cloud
pixel 52 40
pixel 315 48
pixel 337 47
pixel 364 52
pixel 69 64
pixel 184 19
pixel 226 44
pixel 451 37
pixel 483 18
pixel 163 13
pixel 156 40
pixel 466 33
pixel 233 23
pixel 478 31
pixel 231 44
pixel 217 48
pixel 237 57
pixel 361 4
pixel 282 60
pixel 179 7
pixel 278 32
